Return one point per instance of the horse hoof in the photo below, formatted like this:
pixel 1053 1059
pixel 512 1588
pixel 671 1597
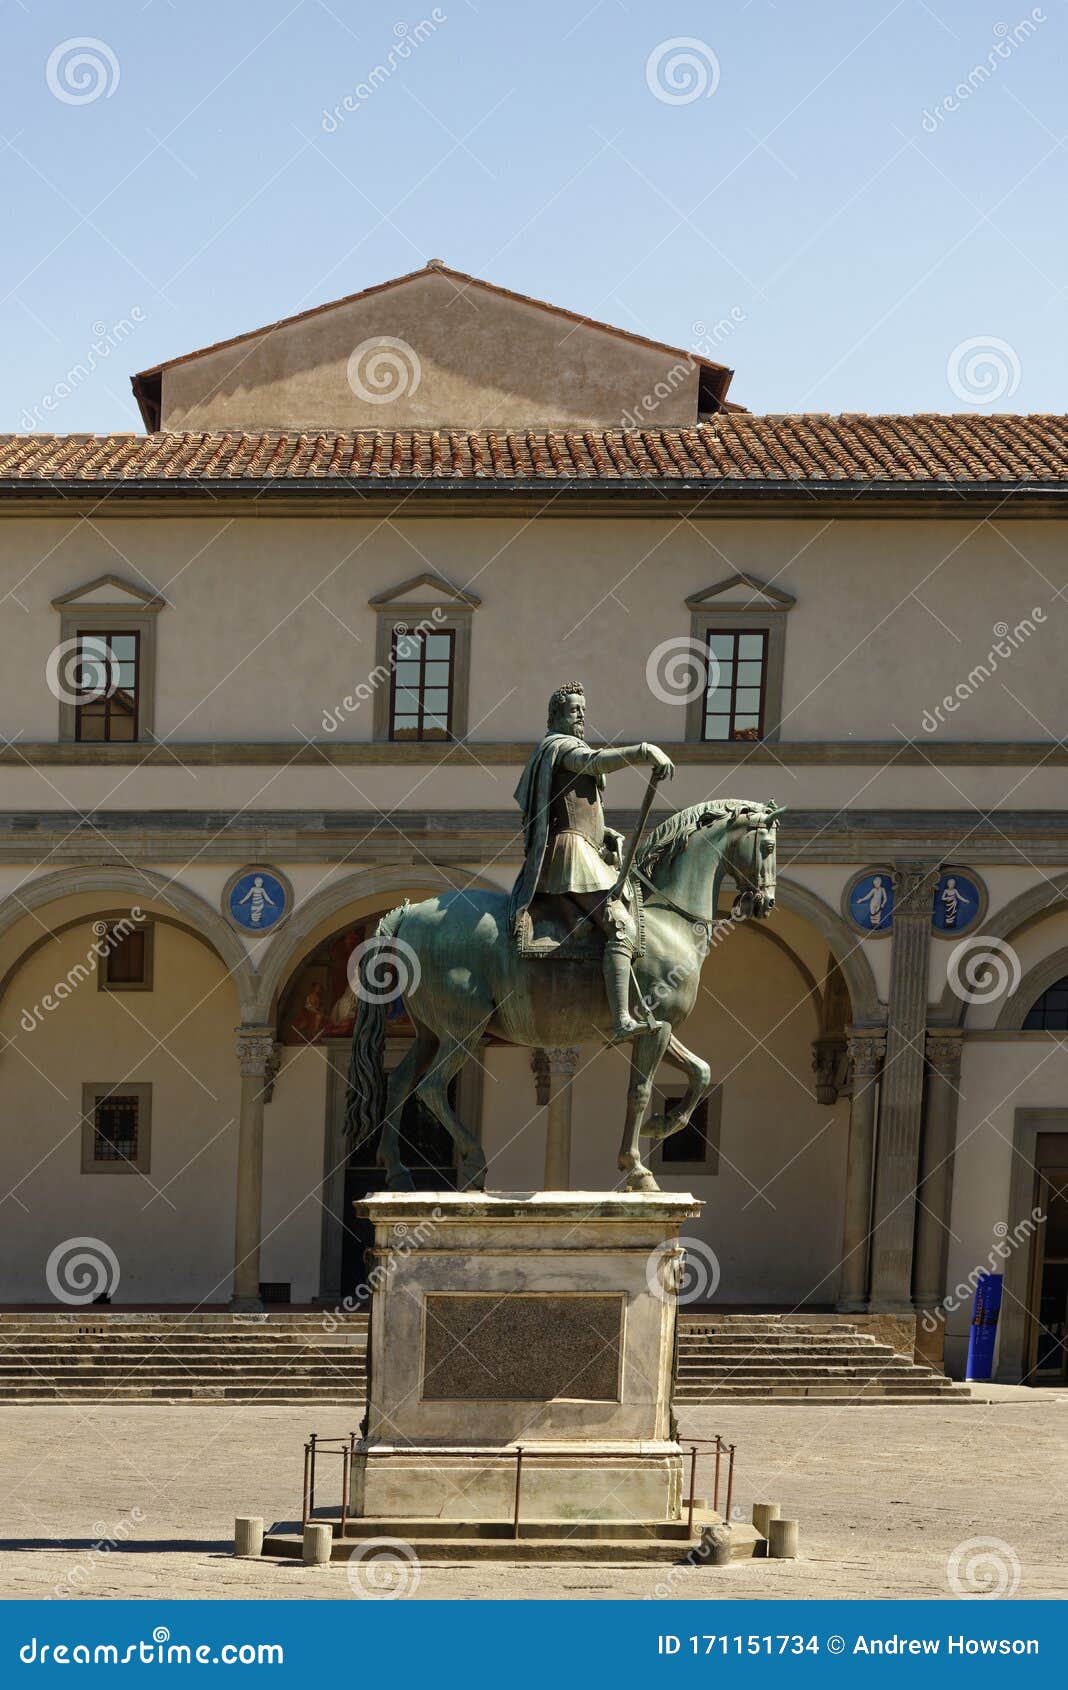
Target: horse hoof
pixel 472 1173
pixel 400 1179
pixel 640 1179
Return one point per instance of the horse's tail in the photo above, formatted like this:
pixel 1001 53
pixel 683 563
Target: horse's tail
pixel 365 1105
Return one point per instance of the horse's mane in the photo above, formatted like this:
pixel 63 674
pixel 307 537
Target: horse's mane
pixel 666 841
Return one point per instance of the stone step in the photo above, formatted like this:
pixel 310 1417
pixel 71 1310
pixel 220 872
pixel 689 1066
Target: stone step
pixel 845 1390
pixel 312 1356
pixel 119 1322
pixel 782 1357
pixel 41 1391
pixel 325 1353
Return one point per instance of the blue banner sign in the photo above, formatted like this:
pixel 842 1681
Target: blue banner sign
pixel 984 1328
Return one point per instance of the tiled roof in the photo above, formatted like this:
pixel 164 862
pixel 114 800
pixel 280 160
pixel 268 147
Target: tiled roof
pixel 728 450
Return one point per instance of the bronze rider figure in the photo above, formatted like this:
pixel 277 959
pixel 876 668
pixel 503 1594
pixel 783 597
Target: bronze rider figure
pixel 568 851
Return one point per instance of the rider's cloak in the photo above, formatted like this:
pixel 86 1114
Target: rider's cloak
pixel 532 795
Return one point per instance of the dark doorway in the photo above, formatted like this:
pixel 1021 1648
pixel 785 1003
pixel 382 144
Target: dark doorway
pixel 428 1150
pixel 1049 1356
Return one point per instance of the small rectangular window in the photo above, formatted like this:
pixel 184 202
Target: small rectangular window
pixel 106 684
pixel 115 1125
pixel 421 688
pixel 126 965
pixel 737 683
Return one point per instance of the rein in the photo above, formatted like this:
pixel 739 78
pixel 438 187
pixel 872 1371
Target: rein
pixel 687 915
pixel 669 903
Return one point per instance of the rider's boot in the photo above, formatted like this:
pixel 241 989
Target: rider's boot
pixel 617 959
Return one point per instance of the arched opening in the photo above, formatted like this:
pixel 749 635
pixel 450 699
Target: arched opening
pixel 315 1016
pixel 117 1012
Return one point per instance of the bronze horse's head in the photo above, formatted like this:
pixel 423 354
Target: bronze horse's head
pixel 751 860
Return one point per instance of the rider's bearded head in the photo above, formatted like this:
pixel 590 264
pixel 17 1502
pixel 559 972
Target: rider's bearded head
pixel 558 701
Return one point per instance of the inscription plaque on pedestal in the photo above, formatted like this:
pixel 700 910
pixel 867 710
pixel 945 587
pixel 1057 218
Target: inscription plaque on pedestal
pixel 516 1347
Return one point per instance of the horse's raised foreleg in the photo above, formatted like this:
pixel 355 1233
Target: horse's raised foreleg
pixel 646 1052
pixel 433 1090
pixel 402 1081
pixel 677 1116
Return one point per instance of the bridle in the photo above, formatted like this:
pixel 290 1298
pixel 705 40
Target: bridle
pixel 663 901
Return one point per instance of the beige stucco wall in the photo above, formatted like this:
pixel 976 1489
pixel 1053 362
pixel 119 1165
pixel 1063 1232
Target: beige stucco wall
pixel 268 626
pixel 171 1230
pixel 468 357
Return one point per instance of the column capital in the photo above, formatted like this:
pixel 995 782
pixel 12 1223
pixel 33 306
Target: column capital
pixel 943 1049
pixel 558 1063
pixel 563 1060
pixel 257 1053
pixel 867 1053
pixel 914 885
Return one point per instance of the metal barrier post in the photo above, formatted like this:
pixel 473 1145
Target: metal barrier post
pixel 518 1487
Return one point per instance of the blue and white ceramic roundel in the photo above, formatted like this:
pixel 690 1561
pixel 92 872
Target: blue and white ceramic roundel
pixel 257 900
pixel 957 903
pixel 871 903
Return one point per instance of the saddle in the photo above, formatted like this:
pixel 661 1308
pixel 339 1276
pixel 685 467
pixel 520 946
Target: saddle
pixel 551 926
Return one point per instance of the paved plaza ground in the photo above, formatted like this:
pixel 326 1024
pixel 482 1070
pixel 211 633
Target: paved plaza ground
pixel 884 1496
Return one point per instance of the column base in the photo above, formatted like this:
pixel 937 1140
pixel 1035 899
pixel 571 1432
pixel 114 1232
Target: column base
pixel 246 1305
pixel 852 1305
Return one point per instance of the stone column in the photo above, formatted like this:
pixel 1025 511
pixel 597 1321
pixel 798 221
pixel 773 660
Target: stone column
pixel 867 1052
pixel 901 1094
pixel 936 1168
pixel 554 1071
pixel 258 1057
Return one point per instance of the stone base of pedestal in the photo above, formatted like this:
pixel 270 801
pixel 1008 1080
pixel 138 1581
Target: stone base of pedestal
pixel 544 1320
pixel 547 1482
pixel 433 1542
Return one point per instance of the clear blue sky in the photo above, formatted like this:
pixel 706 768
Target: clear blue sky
pixel 857 241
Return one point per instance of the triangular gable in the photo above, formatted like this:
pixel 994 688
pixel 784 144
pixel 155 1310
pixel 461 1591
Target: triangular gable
pixel 741 591
pixel 112 591
pixel 422 590
pixel 435 347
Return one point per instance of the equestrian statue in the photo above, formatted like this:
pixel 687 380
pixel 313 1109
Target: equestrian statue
pixel 595 930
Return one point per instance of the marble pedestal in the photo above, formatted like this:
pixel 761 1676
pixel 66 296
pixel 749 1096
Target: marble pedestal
pixel 540 1320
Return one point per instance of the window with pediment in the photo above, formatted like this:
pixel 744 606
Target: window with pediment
pixel 103 667
pixel 740 626
pixel 423 660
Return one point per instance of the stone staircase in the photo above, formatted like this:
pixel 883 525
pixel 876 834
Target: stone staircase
pixel 299 1357
pixel 797 1359
pixel 189 1358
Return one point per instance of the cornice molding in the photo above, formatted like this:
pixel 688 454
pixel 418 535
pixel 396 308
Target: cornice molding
pixel 475 836
pixel 795 753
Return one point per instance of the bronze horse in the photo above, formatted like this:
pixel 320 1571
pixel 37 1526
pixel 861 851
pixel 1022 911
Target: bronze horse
pixel 461 975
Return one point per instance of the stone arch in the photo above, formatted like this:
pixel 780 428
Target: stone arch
pixel 1037 980
pixel 1028 907
pixel 845 946
pixel 192 911
pixel 295 939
